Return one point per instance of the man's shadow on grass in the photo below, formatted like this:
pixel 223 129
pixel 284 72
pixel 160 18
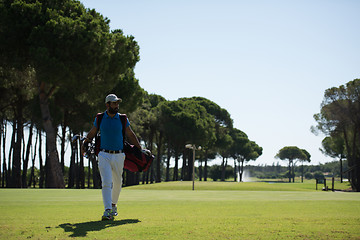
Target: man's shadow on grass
pixel 81 229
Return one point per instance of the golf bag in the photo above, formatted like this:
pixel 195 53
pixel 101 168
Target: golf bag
pixel 135 159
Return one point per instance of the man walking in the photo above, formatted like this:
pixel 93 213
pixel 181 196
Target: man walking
pixel 111 156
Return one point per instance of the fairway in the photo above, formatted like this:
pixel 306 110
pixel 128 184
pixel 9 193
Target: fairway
pixel 180 214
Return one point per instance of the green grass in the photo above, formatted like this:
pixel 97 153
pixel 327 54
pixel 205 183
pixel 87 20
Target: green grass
pixel 269 185
pixel 213 211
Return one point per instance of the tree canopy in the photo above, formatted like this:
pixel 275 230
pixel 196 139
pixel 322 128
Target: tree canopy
pixel 67 47
pixel 292 153
pixel 339 119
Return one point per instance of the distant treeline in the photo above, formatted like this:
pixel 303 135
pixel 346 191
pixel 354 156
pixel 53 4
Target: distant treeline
pixel 327 170
pixel 277 171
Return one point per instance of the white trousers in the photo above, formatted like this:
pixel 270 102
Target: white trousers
pixel 111 169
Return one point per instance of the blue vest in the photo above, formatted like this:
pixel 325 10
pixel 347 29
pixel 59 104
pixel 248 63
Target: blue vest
pixel 111 132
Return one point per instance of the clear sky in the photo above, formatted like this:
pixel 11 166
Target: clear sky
pixel 267 62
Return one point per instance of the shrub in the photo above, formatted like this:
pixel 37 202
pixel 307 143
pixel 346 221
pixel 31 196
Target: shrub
pixel 318 175
pixel 308 175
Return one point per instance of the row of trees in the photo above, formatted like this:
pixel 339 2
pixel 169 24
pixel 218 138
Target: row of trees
pixel 166 127
pixel 58 61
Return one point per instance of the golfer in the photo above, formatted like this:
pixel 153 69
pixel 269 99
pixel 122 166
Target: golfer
pixel 111 156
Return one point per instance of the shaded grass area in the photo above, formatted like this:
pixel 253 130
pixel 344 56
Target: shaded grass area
pixel 181 214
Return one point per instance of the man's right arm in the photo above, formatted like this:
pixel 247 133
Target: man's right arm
pixel 91 134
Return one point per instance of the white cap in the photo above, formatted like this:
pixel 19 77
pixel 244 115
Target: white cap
pixel 112 98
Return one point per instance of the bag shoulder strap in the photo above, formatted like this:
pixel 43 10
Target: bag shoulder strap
pixel 99 117
pixel 123 119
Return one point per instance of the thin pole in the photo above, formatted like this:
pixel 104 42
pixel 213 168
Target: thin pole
pixel 193 175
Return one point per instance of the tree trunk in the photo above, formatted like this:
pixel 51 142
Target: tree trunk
pixel 16 167
pixel 76 169
pixel 54 174
pixel 167 174
pixel 241 169
pixel 81 168
pixel 42 170
pixel 11 150
pixel 206 166
pixel 152 174
pixel 89 174
pixel 341 169
pixel 289 171
pixel 95 172
pixel 223 166
pixel 3 137
pixel 191 163
pixel 82 172
pixel 137 178
pixel 183 168
pixel 302 172
pixel 130 178
pixel 158 158
pixel 62 149
pixel 293 171
pixel 176 167
pixel 32 175
pixel 143 177
pixel 27 155
pixel 235 173
pixel 71 181
pixel 355 177
pixel 200 170
pixel 147 175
